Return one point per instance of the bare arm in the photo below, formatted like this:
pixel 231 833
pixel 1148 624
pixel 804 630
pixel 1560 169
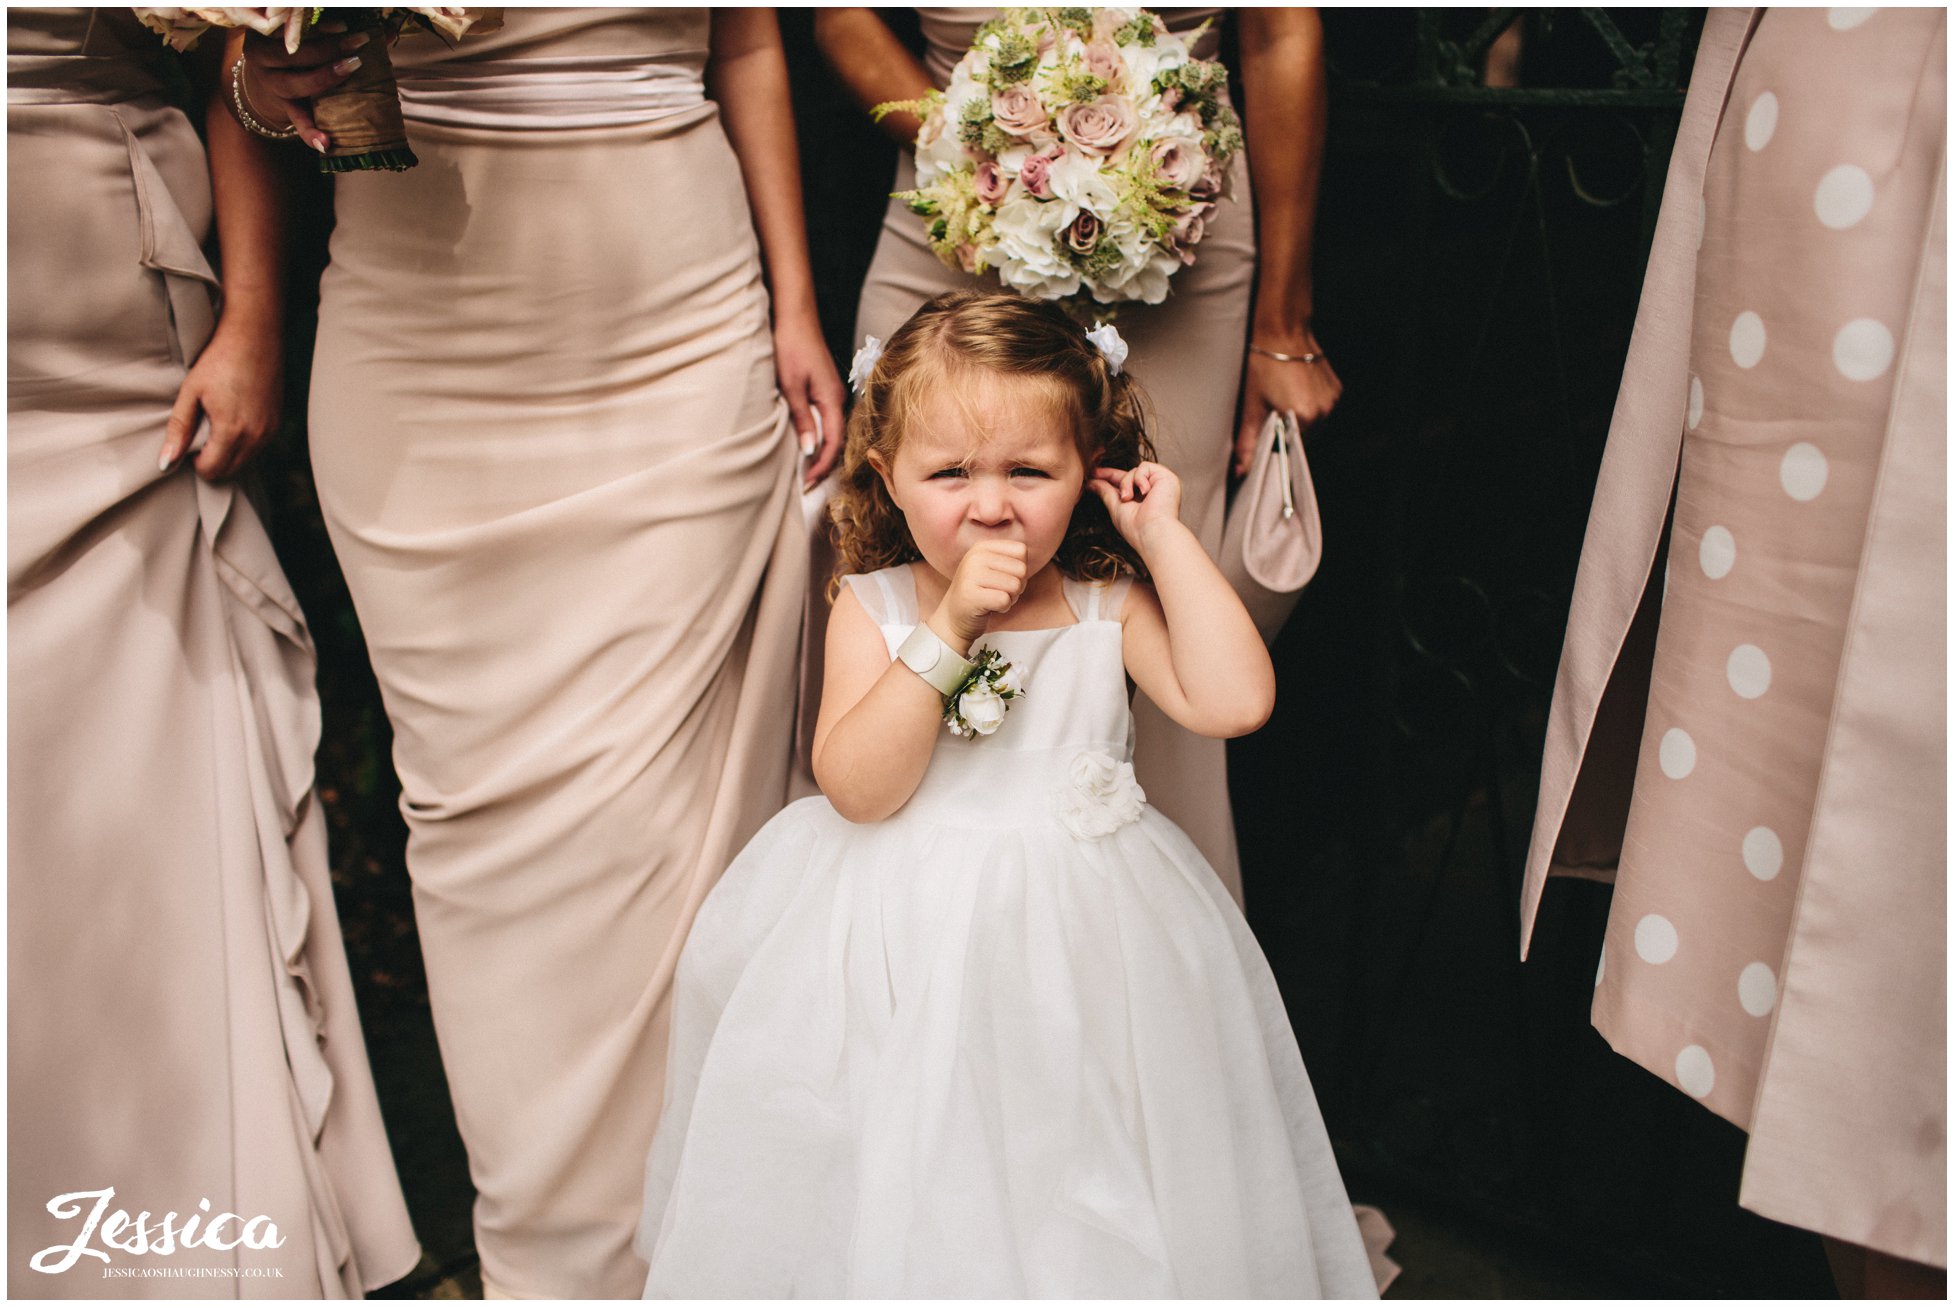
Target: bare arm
pixel 747 75
pixel 872 64
pixel 1187 640
pixel 236 383
pixel 1286 102
pixel 880 721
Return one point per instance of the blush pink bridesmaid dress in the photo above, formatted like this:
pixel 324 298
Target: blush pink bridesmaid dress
pixel 559 478
pixel 1187 354
pixel 181 1025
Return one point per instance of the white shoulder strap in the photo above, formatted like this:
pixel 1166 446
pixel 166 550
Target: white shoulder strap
pixel 1096 601
pixel 887 596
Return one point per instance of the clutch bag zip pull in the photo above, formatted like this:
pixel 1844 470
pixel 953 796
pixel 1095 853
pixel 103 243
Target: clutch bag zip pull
pixel 1286 425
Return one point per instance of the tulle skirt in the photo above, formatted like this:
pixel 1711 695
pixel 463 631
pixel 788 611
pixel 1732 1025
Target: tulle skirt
pixel 930 1060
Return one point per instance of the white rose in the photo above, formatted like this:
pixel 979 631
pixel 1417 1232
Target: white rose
pixel 981 709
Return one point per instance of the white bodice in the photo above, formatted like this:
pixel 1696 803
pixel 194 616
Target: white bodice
pixel 1074 704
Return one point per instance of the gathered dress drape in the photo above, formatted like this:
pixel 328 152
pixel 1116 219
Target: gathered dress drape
pixel 181 1021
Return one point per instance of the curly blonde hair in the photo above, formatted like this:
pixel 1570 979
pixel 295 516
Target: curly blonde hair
pixel 964 332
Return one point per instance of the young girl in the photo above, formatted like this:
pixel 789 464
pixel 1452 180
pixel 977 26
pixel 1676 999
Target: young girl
pixel 980 1022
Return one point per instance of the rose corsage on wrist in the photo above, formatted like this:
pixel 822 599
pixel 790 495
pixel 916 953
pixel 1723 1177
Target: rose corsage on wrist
pixel 361 115
pixel 1078 153
pixel 979 704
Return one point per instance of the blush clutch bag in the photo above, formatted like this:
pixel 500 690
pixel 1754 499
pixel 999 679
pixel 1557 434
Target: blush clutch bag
pixel 1273 538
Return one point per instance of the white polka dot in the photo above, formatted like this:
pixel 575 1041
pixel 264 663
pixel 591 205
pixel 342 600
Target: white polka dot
pixel 1702 220
pixel 1695 414
pixel 1843 197
pixel 1757 989
pixel 1802 471
pixel 1694 1073
pixel 1863 349
pixel 1763 853
pixel 1677 753
pixel 1655 939
pixel 1844 20
pixel 1601 968
pixel 1761 122
pixel 1749 671
pixel 1747 339
pixel 1717 553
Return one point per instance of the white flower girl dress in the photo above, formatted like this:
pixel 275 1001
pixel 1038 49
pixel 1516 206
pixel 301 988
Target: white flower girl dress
pixel 1013 1041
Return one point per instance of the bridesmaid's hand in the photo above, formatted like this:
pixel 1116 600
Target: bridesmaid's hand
pixel 812 389
pixel 289 79
pixel 1309 390
pixel 235 385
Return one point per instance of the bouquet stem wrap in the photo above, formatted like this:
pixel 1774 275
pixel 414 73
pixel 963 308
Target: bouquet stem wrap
pixel 362 114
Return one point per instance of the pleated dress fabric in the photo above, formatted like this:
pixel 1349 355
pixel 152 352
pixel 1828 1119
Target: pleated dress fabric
pixel 1776 835
pixel 1013 1041
pixel 1187 355
pixel 181 1022
pixel 559 477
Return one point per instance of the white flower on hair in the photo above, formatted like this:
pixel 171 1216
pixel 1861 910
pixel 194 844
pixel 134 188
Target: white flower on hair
pixel 865 360
pixel 1106 339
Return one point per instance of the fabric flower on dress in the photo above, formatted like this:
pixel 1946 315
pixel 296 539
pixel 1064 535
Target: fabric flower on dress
pixel 1111 345
pixel 865 360
pixel 1101 795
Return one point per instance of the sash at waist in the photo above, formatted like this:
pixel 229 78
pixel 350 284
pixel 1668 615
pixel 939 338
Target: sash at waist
pixel 546 94
pixel 79 79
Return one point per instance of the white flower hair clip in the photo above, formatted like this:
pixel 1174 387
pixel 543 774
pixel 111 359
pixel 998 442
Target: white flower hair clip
pixel 865 360
pixel 1106 339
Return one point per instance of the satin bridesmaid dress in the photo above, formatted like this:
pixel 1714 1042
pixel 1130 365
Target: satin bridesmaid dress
pixel 181 1024
pixel 1187 354
pixel 559 477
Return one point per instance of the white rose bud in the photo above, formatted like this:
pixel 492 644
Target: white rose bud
pixel 982 709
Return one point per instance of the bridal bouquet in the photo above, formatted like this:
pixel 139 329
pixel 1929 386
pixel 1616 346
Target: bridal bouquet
pixel 1076 151
pixel 361 114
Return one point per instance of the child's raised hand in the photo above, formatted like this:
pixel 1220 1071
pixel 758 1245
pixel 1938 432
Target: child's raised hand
pixel 1136 498
pixel 989 580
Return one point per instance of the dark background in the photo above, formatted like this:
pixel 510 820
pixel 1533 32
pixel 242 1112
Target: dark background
pixel 1478 260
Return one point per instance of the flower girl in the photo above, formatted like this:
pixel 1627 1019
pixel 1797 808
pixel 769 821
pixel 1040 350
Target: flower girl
pixel 980 1022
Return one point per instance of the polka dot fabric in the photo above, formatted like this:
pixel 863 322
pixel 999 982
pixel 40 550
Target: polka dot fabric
pixel 1813 211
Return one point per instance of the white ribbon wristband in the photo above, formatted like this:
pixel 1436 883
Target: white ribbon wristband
pixel 942 668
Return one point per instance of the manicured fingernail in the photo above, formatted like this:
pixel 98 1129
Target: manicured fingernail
pixel 165 463
pixel 347 65
pixel 318 143
pixel 356 40
pixel 807 444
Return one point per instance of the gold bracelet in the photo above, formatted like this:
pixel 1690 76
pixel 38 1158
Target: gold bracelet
pixel 240 109
pixel 1285 358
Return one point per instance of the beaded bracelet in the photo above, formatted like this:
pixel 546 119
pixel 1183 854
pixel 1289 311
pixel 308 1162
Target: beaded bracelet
pixel 240 109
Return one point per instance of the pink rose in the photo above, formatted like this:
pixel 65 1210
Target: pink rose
pixel 1102 60
pixel 1100 126
pixel 1188 230
pixel 1083 235
pixel 1036 174
pixel 1179 162
pixel 1209 187
pixel 1017 110
pixel 991 186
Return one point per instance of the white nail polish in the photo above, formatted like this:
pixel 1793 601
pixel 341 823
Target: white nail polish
pixel 164 463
